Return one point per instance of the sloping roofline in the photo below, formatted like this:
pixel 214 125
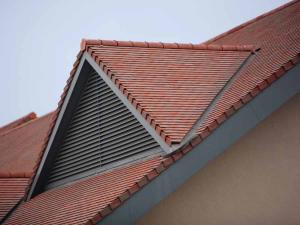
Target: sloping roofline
pixel 24 119
pixel 209 41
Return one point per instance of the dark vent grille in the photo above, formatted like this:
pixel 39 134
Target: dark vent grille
pixel 102 131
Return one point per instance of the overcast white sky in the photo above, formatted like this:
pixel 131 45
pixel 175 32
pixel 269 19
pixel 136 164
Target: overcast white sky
pixel 40 39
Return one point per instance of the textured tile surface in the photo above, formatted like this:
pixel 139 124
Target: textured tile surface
pixel 79 202
pixel 171 85
pixel 278 36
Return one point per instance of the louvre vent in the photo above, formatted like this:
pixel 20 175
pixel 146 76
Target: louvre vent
pixel 102 131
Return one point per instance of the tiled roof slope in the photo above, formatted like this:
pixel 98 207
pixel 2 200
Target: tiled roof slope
pixel 170 84
pixel 81 201
pixel 278 35
pixel 20 146
pixel 12 191
pixel 17 122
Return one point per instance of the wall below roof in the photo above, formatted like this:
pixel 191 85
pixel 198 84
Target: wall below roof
pixel 255 181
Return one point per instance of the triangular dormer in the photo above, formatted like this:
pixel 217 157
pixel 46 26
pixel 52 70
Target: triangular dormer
pixel 129 100
pixel 95 131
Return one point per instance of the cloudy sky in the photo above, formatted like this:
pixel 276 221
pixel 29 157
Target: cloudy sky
pixel 40 39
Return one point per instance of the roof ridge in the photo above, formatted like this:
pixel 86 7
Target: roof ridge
pixel 18 122
pixel 25 124
pixel 89 42
pixel 15 175
pixel 255 19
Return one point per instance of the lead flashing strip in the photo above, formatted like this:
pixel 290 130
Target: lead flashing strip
pixel 192 132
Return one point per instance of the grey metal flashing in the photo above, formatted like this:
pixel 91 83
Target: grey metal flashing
pixel 55 130
pixel 83 176
pixel 192 132
pixel 228 133
pixel 132 109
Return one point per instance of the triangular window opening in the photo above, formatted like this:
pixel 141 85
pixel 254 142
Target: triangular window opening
pixel 101 133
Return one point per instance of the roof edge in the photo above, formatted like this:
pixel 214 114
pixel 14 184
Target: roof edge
pixel 241 26
pixel 85 43
pixel 31 184
pixel 15 175
pixel 24 119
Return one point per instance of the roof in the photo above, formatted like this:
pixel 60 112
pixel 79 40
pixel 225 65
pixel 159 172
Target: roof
pixel 277 34
pixel 18 122
pixel 12 191
pixel 170 84
pixel 21 143
pixel 280 51
pixel 84 198
pixel 22 146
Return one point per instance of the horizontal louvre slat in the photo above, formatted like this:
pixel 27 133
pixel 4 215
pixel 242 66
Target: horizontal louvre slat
pixel 93 155
pixel 90 93
pixel 88 119
pixel 80 152
pixel 74 171
pixel 85 109
pixel 116 107
pixel 112 106
pixel 120 145
pixel 108 99
pixel 91 101
pixel 77 131
pixel 116 121
pixel 102 131
pixel 87 115
pixel 81 143
pixel 130 152
pixel 77 168
pixel 117 126
pixel 121 136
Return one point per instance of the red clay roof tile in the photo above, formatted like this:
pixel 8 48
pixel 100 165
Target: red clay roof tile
pixel 82 200
pixel 11 191
pixel 172 86
pixel 278 35
pixel 20 147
